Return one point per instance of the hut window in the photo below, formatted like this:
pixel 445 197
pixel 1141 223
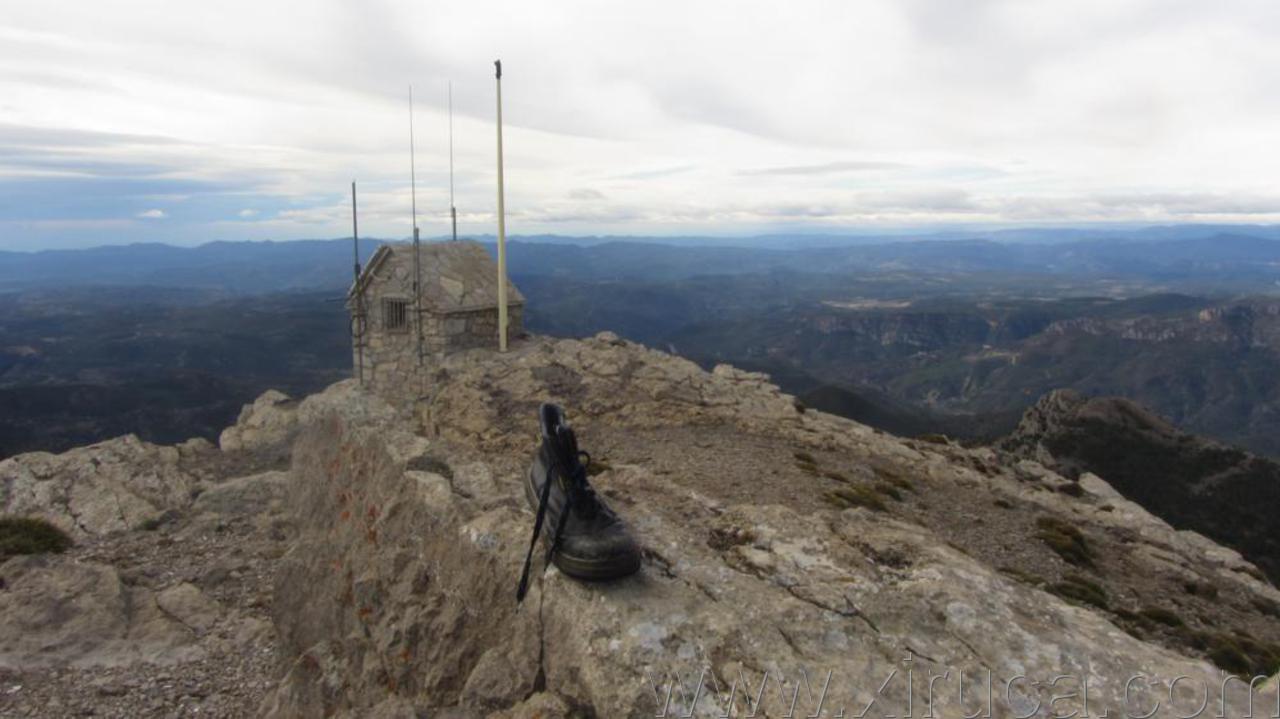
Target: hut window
pixel 395 315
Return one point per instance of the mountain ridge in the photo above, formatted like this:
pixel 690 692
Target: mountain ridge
pixel 383 559
pixel 252 267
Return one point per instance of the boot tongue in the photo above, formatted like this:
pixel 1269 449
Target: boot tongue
pixel 574 475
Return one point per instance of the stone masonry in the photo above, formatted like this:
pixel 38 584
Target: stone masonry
pixel 458 311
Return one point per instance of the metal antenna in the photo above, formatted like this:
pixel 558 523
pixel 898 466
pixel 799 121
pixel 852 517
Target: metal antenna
pixel 413 177
pixel 417 259
pixel 355 236
pixel 453 210
pixel 358 320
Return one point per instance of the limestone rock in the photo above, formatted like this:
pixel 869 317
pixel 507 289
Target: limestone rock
pixel 270 420
pixel 56 612
pixel 602 377
pixel 195 448
pixel 243 496
pixel 106 487
pixel 397 536
pixel 410 576
pixel 188 605
pixel 346 399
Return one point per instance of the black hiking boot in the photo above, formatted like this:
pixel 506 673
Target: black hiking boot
pixel 585 539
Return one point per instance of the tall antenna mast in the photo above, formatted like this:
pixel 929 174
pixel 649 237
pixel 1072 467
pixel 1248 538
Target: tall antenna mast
pixel 502 227
pixel 453 210
pixel 358 320
pixel 417 260
pixel 355 236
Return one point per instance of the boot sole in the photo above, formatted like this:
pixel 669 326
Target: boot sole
pixel 596 570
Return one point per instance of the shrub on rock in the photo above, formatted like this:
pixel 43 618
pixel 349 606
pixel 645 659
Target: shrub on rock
pixel 30 535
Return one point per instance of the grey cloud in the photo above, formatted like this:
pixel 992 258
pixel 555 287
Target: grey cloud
pixel 935 200
pixel 20 161
pixel 652 174
pixel 556 215
pixel 586 193
pixel 1195 203
pixel 825 168
pixel 1122 206
pixel 30 135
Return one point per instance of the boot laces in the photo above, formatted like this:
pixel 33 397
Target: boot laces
pixel 580 498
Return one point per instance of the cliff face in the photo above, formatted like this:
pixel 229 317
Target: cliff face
pixel 1220 491
pixel 793 561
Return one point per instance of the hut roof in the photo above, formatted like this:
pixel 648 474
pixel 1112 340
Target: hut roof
pixel 456 276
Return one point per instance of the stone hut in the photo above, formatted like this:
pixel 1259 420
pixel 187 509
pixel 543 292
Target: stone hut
pixel 458 309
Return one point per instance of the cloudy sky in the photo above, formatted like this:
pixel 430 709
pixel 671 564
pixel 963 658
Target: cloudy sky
pixel 186 122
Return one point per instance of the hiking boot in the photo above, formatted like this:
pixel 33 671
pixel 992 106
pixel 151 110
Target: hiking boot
pixel 584 538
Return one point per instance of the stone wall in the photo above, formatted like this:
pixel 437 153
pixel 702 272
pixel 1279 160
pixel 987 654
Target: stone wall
pixel 389 357
pixel 452 276
pixel 479 328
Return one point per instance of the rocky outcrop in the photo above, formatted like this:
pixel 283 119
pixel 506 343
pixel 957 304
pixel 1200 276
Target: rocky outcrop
pixel 794 562
pixel 107 487
pixel 160 608
pixel 56 613
pixel 258 493
pixel 761 582
pixel 271 422
pixel 479 397
pixel 170 619
pixel 1193 483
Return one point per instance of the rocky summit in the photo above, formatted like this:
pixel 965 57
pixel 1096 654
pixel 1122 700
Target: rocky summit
pixel 357 556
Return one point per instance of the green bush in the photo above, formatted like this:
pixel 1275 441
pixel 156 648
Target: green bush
pixel 1160 615
pixel 1237 653
pixel 1228 656
pixel 837 476
pixel 901 483
pixel 1079 589
pixel 855 496
pixel 1064 539
pixel 934 438
pixel 1267 607
pixel 30 535
pixel 435 465
pixel 1024 577
pixel 1201 589
pixel 887 471
pixel 805 458
pixel 809 469
pixel 889 491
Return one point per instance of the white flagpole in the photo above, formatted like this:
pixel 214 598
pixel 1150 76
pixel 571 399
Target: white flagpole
pixel 502 229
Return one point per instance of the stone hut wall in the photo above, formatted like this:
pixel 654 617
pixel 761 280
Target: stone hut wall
pixel 479 328
pixel 390 355
pixel 391 365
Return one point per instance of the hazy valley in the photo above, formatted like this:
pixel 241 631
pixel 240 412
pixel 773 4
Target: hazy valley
pixel 949 336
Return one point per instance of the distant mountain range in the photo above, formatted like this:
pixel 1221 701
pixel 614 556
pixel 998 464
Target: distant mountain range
pixel 1196 257
pixel 956 335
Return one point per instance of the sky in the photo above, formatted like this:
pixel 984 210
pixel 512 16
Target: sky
pixel 186 122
